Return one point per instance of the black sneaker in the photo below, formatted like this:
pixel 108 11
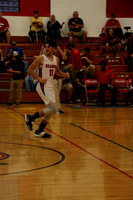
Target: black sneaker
pixel 60 112
pixel 42 134
pixel 28 122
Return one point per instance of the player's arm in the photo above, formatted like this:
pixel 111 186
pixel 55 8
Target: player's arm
pixel 37 62
pixel 58 72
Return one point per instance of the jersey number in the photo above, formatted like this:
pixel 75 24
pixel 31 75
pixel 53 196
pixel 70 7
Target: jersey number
pixel 51 71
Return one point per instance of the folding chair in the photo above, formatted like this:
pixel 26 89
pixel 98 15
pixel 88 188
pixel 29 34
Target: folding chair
pixel 91 82
pixel 122 87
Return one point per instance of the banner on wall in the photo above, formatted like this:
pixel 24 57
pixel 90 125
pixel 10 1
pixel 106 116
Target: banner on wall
pixel 25 8
pixel 122 8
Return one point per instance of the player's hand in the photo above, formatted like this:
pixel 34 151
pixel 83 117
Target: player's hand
pixel 42 80
pixel 74 23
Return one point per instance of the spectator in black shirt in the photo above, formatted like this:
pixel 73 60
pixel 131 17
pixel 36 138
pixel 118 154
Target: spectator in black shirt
pixel 54 27
pixel 16 67
pixel 75 25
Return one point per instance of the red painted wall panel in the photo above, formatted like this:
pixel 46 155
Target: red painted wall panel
pixel 28 6
pixel 122 8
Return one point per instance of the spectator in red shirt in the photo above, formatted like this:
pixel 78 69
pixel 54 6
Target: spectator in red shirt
pixel 113 43
pixel 106 78
pixel 115 25
pixel 75 64
pixel 4 26
pixel 70 39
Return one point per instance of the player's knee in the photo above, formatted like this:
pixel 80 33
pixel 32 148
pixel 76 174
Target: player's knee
pixel 51 108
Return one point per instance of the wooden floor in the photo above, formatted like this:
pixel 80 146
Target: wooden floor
pixel 88 157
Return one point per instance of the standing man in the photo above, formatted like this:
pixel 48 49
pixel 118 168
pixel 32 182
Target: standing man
pixel 16 67
pixel 36 27
pixel 75 25
pixel 106 78
pixel 45 88
pixel 75 64
pixel 4 26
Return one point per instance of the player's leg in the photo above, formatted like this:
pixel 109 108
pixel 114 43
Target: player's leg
pixel 30 118
pixel 50 108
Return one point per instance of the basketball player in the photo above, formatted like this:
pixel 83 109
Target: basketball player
pixel 45 88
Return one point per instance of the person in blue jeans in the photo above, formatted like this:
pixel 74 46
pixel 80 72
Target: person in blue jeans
pixel 30 82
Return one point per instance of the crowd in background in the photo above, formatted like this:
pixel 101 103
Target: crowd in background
pixel 79 64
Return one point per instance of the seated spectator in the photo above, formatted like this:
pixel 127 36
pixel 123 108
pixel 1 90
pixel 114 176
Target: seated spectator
pixel 130 43
pixel 87 58
pixel 2 67
pixel 4 26
pixel 114 24
pixel 113 43
pixel 130 62
pixel 53 28
pixel 30 82
pixel 36 27
pixel 106 78
pixel 66 84
pixel 20 54
pixel 74 64
pixel 82 75
pixel 16 67
pixel 75 25
pixel 70 40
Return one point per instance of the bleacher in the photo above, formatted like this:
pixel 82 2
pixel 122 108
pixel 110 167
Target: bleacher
pixel 31 49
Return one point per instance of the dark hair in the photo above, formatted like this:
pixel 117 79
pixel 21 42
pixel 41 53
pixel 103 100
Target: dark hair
pixel 70 44
pixel 103 63
pixel 113 15
pixel 36 12
pixel 87 49
pixel 51 43
pixel 13 43
pixel 84 62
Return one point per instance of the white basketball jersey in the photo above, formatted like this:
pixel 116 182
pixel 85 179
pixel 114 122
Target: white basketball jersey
pixel 46 91
pixel 48 69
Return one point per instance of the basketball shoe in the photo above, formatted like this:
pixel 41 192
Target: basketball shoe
pixel 28 122
pixel 42 134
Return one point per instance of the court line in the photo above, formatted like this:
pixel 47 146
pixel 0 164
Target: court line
pixel 29 170
pixel 12 114
pixel 103 161
pixel 119 170
pixel 104 138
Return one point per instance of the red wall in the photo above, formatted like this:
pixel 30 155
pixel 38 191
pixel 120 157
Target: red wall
pixel 122 8
pixel 28 6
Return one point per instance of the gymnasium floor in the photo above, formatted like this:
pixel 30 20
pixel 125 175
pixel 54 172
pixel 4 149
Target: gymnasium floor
pixel 88 157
